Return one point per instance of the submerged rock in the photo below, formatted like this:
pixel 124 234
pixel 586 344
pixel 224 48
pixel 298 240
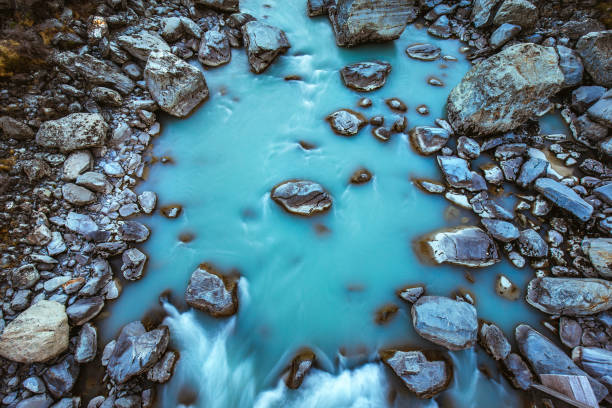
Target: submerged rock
pixel 595 49
pixel 346 122
pixel 570 296
pixel 421 376
pixel 446 322
pixel 73 132
pixel 366 76
pixel 428 139
pixel 177 87
pixel 546 358
pixel 564 197
pixel 302 197
pixel 466 246
pixel 361 21
pixel 212 292
pixel 423 52
pixel 300 365
pixel 505 90
pixel 263 43
pixel 214 49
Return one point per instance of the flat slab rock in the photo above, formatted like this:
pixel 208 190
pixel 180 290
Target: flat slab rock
pixel 366 76
pixel 302 197
pixel 421 376
pixel 212 292
pixel 599 251
pixel 570 296
pixel 466 246
pixel 564 197
pixel 263 43
pixel 73 132
pixel 446 322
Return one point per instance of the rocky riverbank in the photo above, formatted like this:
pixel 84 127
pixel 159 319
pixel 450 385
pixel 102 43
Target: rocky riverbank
pixel 76 133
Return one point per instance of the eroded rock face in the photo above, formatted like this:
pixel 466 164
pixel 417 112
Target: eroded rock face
pixel 263 43
pixel 595 49
pixel 564 197
pixel 446 322
pixel 73 132
pixel 302 197
pixel 466 246
pixel 366 76
pixel 361 21
pixel 421 376
pixel 546 358
pixel 505 90
pixel 36 335
pixel 177 87
pixel 212 292
pixel 570 296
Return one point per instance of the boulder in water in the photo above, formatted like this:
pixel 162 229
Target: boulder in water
pixel 421 376
pixel 300 365
pixel 346 122
pixel 570 296
pixel 263 43
pixel 302 197
pixel 366 76
pixel 212 292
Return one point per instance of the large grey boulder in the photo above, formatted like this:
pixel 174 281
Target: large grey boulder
pixel 546 358
pixel 465 246
pixel 228 6
pixel 596 51
pixel 366 76
pixel 263 43
pixel 73 132
pixel 302 197
pixel 214 49
pixel 212 292
pixel 564 197
pixel 570 296
pixel 362 21
pixel 142 44
pixel 177 87
pixel 446 322
pixel 599 251
pixel 421 376
pixel 505 90
pixel 38 334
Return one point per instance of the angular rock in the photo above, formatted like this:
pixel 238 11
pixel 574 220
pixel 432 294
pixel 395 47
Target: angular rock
pixel 263 44
pixel 428 139
pixel 300 365
pixel 564 197
pixel 134 231
pixel 440 28
pixel 61 377
pixel 83 310
pixel 501 230
pixel 14 129
pixel 599 251
pixel 37 401
pixel 467 148
pixel 570 296
pixel 140 45
pixel 346 122
pixel 25 276
pixel 302 197
pixel 446 322
pixel 77 195
pixel 73 132
pixel 601 112
pixel 421 376
pixel 505 90
pixel 411 293
pixel 81 224
pixel 77 163
pixel 520 374
pixel 227 6
pixel 585 96
pixel 214 49
pixel 133 264
pixel 177 87
pixel 147 201
pixel 458 174
pixel 519 12
pixel 36 335
pixel 87 344
pixel 531 244
pixel 595 49
pixel 503 34
pixel 366 76
pixel 494 342
pixel 595 361
pixel 571 66
pixel 212 292
pixel 481 12
pixel 531 170
pixel 570 332
pixel 162 371
pixel 423 52
pixel 467 246
pixel 318 7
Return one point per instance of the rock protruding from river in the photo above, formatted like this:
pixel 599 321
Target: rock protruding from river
pixel 214 49
pixel 458 174
pixel 570 296
pixel 136 351
pixel 177 87
pixel 446 322
pixel 346 122
pixel 366 76
pixel 73 132
pixel 428 139
pixel 302 197
pixel 362 21
pixel 505 90
pixel 212 292
pixel 423 51
pixel 564 197
pixel 466 246
pixel 421 376
pixel 38 334
pixel 263 43
pixel 546 358
pixel 300 365
pixel 595 49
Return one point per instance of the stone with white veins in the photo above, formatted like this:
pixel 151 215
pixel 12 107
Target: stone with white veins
pixel 570 296
pixel 302 197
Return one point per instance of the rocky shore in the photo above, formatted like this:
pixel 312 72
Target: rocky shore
pixel 79 110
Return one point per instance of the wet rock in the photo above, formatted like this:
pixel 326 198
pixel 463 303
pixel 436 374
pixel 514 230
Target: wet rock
pixel 492 173
pixel 366 76
pixel 136 351
pixel 133 264
pixel 429 186
pixel 467 148
pixel 134 231
pixel 571 66
pixel 466 246
pixel 38 334
pixel 458 174
pixel 503 34
pixel 481 13
pixel 300 365
pixel 570 296
pixel 25 276
pixel 177 87
pixel 446 322
pixel 411 293
pixel 14 129
pixel 77 163
pixel 171 211
pixel 73 132
pixel 595 49
pixel 361 176
pixel 423 52
pixel 228 6
pixel 570 332
pixel 585 96
pixel 361 21
pixel 501 230
pixel 427 139
pixel 520 374
pixel 140 45
pixel 505 90
pixel 531 244
pixel 601 112
pixel 61 377
pixel 382 133
pixel 37 401
pixel 346 122
pixel 564 197
pixel 214 49
pixel 400 124
pixel 87 344
pixel 212 292
pixel 505 288
pixel 302 197
pixel 519 12
pixel 77 195
pixel 263 43
pixel 93 181
pixel 83 310
pixel 318 7
pixel 147 201
pixel 546 358
pixel 173 28
pixel 34 384
pixel 440 28
pixel 493 341
pixel 421 376
pixel 396 104
pixel 162 371
pixel 531 170
pixel 599 251
pixel 595 361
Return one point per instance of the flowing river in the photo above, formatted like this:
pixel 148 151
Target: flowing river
pixel 313 282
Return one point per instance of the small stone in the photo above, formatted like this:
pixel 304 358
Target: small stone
pixel 466 246
pixel 147 201
pixel 570 332
pixel 361 176
pixel 396 105
pixel 77 195
pixel 423 52
pixel 263 44
pixel 346 122
pixel 531 244
pixel 83 310
pixel 214 49
pixel 428 140
pixel 467 148
pixel 77 163
pixel 505 288
pixel 411 293
pixel 134 231
pixel 503 34
pixel 494 341
pixel 501 230
pixel 300 366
